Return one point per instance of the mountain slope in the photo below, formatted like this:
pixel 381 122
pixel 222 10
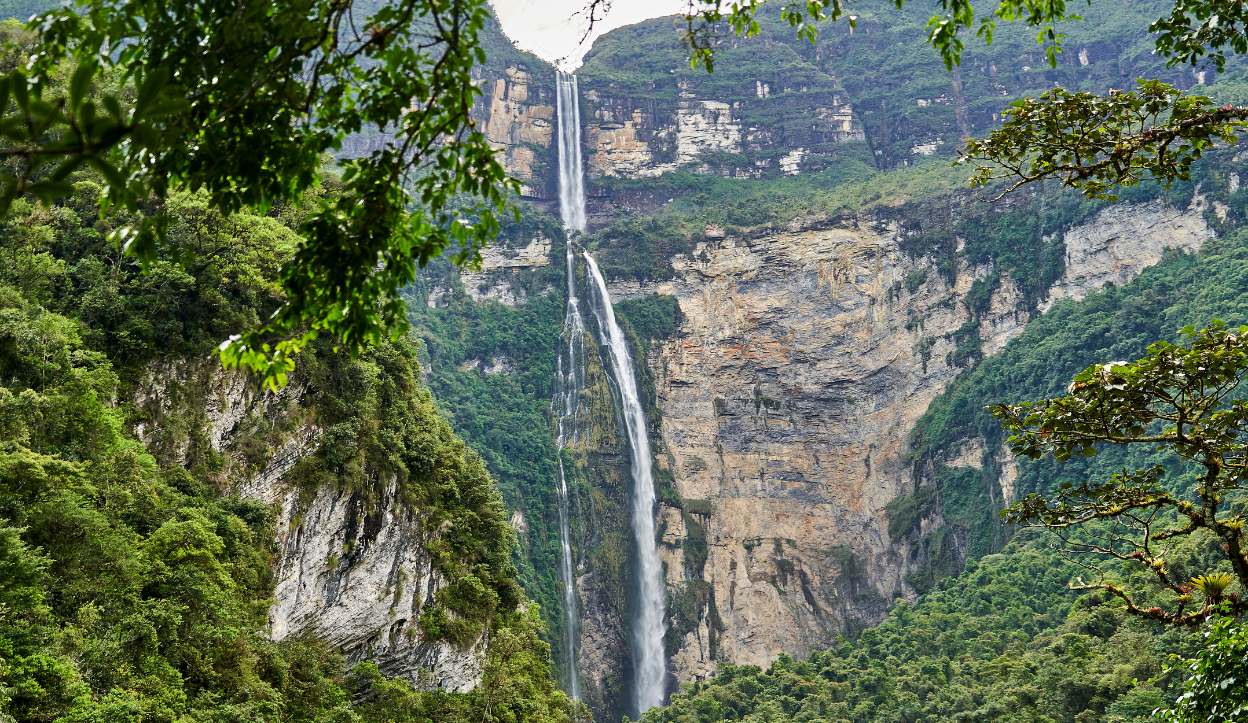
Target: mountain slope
pixel 143 579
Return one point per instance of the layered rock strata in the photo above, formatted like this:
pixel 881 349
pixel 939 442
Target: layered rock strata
pixel 519 116
pixel 354 573
pixel 787 400
pixel 625 139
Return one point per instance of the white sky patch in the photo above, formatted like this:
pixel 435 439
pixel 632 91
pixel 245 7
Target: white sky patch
pixel 552 29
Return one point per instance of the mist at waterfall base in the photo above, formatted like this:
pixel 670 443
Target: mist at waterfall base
pixel 650 667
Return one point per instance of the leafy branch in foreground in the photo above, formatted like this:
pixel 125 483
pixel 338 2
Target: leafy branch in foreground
pixel 1176 398
pixel 944 31
pixel 1097 143
pixel 242 100
pixel 1216 690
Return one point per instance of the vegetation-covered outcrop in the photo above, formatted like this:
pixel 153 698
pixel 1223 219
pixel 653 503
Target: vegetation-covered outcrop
pixel 135 584
pixel 1116 324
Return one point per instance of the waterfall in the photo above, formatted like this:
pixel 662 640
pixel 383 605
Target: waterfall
pixel 651 668
pixel 650 665
pixel 571 187
pixel 568 386
pixel 566 407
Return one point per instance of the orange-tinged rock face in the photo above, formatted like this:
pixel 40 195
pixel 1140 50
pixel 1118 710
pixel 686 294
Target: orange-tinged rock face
pixel 513 117
pixel 788 398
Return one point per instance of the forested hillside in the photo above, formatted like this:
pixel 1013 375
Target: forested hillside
pixel 685 235
pixel 1004 641
pixel 819 315
pixel 136 583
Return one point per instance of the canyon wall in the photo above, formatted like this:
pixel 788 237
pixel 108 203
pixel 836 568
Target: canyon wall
pixel 785 403
pixel 767 112
pixel 788 397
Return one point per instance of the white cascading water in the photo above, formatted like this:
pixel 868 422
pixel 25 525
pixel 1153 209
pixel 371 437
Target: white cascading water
pixel 651 668
pixel 571 187
pixel 566 406
pixel 568 386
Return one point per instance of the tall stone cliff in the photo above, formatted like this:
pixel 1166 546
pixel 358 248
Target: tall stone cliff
pixel 788 398
pixel 784 405
pixel 757 117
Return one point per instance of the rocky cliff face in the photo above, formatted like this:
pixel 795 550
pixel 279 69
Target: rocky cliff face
pixel 630 137
pixel 1121 241
pixel 767 112
pixel 807 353
pixel 354 573
pixel 351 568
pixel 787 398
pixel 787 402
pixel 518 112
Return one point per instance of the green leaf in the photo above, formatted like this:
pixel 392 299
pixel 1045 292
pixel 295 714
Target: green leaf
pixel 113 107
pixel 152 85
pixel 80 83
pixel 19 89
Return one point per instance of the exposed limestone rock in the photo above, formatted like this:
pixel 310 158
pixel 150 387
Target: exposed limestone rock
pixel 841 122
pixel 970 455
pixel 799 371
pixel 350 571
pixel 498 364
pixel 630 138
pixel 1008 474
pixel 488 283
pixel 632 143
pixel 436 297
pixel 482 289
pixel 516 117
pixel 694 659
pixel 356 575
pixel 701 126
pixel 672 527
pixel 172 394
pixel 791 162
pixel 1122 240
pixel 602 650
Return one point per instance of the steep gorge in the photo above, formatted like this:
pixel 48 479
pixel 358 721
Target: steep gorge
pixel 793 504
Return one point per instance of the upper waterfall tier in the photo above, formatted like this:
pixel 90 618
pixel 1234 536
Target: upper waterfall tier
pixel 571 176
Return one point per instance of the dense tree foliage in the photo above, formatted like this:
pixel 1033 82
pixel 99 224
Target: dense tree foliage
pixel 133 585
pixel 241 102
pixel 1115 324
pixel 1177 399
pixel 1216 690
pixel 1095 143
pixel 1005 641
